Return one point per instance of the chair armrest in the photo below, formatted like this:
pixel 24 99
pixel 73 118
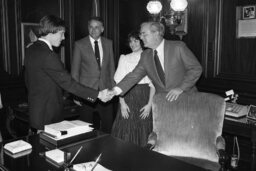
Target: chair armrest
pixel 220 143
pixel 152 138
pixel 223 157
pixel 149 146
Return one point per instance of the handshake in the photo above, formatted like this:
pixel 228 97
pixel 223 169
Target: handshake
pixel 106 95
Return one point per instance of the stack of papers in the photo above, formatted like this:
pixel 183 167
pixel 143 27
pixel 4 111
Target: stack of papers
pixel 88 167
pixel 17 146
pixel 67 129
pixel 55 155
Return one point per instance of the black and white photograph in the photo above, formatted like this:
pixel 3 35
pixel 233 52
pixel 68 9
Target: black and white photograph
pixel 248 12
pixel 252 112
pixel 127 85
pixel 29 34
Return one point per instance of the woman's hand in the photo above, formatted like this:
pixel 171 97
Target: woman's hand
pixel 125 110
pixel 145 111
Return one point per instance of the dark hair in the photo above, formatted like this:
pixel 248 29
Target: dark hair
pixel 135 35
pixel 96 19
pixel 50 24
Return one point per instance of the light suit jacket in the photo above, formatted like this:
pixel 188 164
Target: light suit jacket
pixel 182 69
pixel 85 68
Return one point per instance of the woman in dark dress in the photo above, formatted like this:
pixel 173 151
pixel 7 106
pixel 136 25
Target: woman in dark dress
pixel 133 122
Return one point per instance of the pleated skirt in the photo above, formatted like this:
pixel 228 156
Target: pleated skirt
pixel 134 129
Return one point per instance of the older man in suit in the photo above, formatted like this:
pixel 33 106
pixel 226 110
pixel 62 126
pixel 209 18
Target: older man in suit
pixel 93 66
pixel 46 76
pixel 170 65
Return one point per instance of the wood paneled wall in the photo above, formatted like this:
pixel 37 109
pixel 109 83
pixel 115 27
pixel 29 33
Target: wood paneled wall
pixel 228 62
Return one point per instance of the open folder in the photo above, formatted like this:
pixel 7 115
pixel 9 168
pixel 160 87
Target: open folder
pixel 66 129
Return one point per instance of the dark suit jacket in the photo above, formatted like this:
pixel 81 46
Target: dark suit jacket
pixel 85 68
pixel 45 76
pixel 182 69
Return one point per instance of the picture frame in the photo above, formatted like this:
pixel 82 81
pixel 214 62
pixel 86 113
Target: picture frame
pixel 248 12
pixel 252 112
pixel 29 34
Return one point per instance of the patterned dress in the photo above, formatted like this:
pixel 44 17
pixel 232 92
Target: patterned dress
pixel 133 129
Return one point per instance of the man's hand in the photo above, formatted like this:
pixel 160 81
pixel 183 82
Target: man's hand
pixel 174 94
pixel 113 92
pixel 145 111
pixel 105 95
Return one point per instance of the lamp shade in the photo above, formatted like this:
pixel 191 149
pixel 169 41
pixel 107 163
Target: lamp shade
pixel 154 7
pixel 179 5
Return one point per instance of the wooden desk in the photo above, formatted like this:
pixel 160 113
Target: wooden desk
pixel 246 134
pixel 116 155
pixel 18 114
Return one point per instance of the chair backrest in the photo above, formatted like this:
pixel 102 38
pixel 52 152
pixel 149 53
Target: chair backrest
pixel 189 126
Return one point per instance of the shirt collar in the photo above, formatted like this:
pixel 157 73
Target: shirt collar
pixel 160 47
pixel 92 40
pixel 47 42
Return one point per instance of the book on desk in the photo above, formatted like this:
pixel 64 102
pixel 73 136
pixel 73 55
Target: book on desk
pixel 66 132
pixel 17 148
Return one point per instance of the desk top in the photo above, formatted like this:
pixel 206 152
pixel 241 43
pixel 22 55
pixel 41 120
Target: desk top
pixel 116 155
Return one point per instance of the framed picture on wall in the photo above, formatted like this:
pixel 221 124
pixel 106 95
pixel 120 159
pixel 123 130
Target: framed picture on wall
pixel 29 34
pixel 248 12
pixel 252 112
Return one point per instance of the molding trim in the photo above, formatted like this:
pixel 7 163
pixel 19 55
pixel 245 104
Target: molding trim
pixel 218 38
pixel 17 12
pixel 205 40
pixel 5 36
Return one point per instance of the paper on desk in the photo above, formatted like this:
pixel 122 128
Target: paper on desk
pixel 72 128
pixel 55 155
pixel 17 146
pixel 88 167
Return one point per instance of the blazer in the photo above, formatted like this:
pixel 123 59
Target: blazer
pixel 84 68
pixel 182 69
pixel 45 77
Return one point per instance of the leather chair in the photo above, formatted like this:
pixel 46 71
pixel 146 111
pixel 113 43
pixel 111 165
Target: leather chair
pixel 190 129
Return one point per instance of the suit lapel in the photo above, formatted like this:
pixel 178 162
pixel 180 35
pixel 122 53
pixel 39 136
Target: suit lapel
pixel 104 49
pixel 166 61
pixel 89 50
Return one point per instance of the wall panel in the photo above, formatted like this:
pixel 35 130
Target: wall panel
pixel 230 61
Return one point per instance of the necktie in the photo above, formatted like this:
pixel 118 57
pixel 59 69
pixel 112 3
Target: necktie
pixel 97 52
pixel 159 68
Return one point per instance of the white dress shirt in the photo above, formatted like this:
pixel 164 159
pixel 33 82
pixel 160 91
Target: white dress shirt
pixel 100 47
pixel 126 64
pixel 47 42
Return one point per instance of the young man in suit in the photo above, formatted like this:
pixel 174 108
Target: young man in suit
pixel 93 66
pixel 46 76
pixel 171 66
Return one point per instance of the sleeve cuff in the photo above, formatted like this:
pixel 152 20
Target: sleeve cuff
pixel 117 90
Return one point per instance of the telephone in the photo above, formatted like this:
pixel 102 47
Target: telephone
pixel 236 110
